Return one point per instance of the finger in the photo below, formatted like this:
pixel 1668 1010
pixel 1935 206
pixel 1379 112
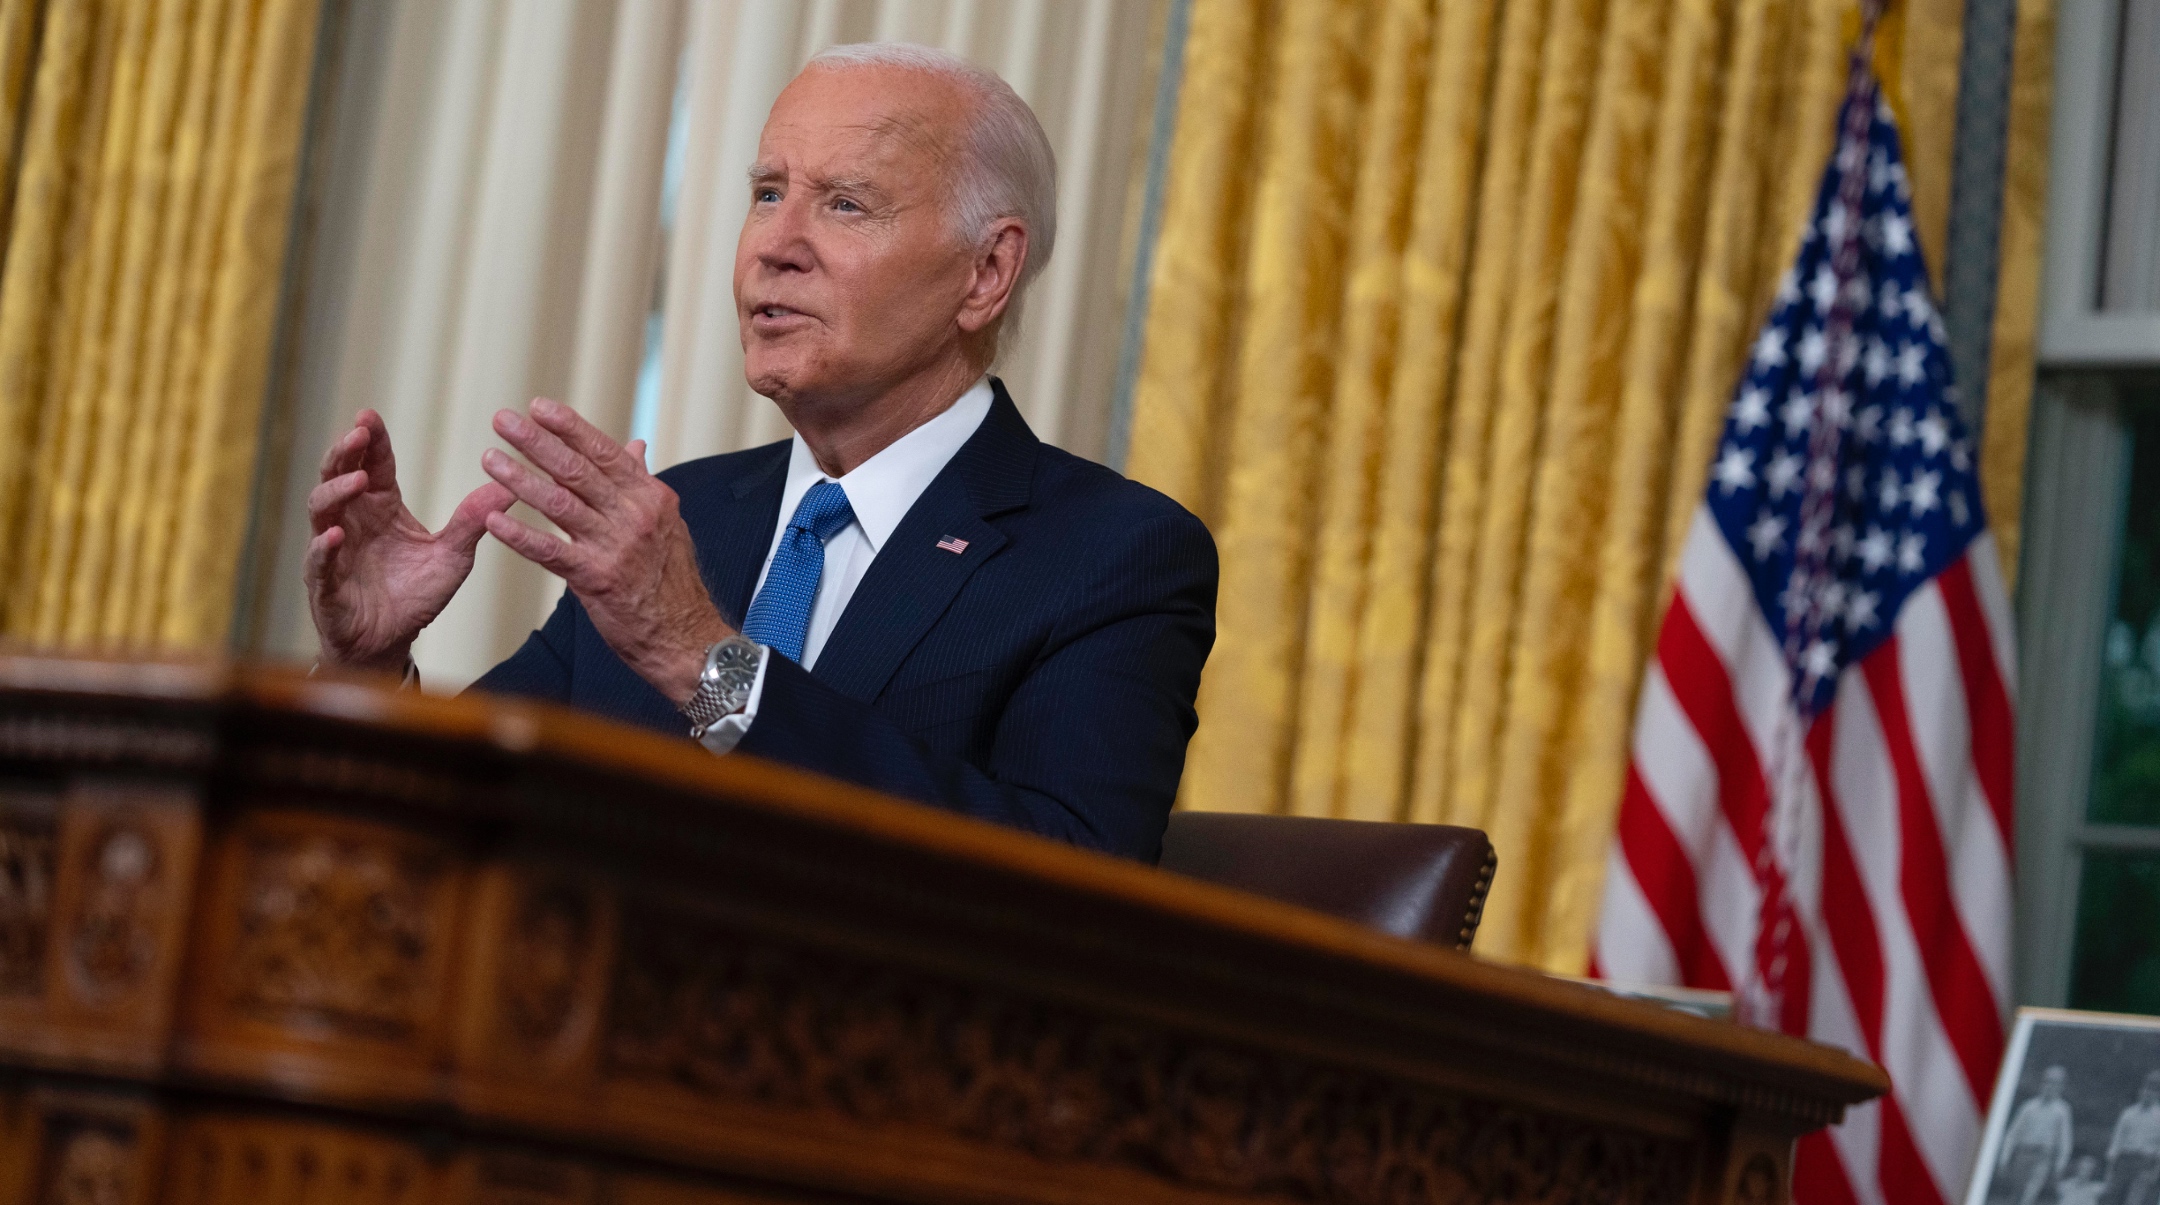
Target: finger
pixel 343 454
pixel 636 451
pixel 469 521
pixel 329 499
pixel 584 438
pixel 549 498
pixel 380 461
pixel 326 502
pixel 557 459
pixel 321 552
pixel 556 556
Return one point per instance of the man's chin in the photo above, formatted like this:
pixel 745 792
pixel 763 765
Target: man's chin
pixel 776 377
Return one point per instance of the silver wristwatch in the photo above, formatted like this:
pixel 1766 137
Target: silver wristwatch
pixel 731 669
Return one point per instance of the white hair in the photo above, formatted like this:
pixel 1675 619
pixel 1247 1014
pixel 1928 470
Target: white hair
pixel 1007 168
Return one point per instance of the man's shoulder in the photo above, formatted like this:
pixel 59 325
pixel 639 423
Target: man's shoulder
pixel 1073 489
pixel 726 470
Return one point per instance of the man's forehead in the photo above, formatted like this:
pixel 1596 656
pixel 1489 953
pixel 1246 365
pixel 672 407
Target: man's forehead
pixel 866 116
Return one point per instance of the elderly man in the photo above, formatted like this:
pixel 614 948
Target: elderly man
pixel 2036 1146
pixel 913 593
pixel 2133 1153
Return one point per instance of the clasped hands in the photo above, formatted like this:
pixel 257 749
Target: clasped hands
pixel 376 576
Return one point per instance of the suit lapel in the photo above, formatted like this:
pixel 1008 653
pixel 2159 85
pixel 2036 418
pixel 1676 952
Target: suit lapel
pixel 917 573
pixel 736 533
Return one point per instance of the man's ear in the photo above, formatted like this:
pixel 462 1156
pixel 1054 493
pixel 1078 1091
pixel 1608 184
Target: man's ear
pixel 998 261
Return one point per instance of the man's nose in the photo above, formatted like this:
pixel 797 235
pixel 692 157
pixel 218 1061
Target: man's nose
pixel 781 241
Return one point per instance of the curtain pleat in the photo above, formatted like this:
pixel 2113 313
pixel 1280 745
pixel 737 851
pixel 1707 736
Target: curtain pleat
pixel 2017 305
pixel 1358 413
pixel 1381 710
pixel 1443 367
pixel 145 252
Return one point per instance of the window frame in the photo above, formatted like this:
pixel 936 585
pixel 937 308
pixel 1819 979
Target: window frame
pixel 2074 331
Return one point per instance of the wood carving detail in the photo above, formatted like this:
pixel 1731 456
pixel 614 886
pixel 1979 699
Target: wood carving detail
pixel 336 930
pixel 26 893
pixel 115 938
pixel 544 952
pixel 89 1165
pixel 231 1161
pixel 724 1015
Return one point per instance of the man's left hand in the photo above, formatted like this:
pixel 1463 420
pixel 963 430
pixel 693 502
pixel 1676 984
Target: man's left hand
pixel 628 555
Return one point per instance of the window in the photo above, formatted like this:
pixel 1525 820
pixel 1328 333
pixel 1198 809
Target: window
pixel 2089 583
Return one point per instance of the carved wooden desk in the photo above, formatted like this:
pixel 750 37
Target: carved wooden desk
pixel 265 939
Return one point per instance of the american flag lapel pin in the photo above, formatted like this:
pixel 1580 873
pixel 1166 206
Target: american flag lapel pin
pixel 953 544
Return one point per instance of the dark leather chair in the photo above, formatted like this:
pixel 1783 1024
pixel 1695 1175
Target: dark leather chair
pixel 1422 881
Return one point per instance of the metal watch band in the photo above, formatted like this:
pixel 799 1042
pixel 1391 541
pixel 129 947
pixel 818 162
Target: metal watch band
pixel 724 686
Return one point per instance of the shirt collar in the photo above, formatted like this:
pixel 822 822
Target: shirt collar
pixel 883 488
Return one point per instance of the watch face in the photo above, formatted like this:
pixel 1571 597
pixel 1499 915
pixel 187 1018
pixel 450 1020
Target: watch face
pixel 737 656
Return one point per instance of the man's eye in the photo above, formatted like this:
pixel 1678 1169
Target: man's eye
pixel 767 194
pixel 846 206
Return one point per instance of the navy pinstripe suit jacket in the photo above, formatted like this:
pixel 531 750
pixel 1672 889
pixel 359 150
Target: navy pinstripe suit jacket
pixel 1043 678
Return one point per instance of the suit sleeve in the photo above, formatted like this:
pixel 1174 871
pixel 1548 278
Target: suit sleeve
pixel 1090 745
pixel 540 669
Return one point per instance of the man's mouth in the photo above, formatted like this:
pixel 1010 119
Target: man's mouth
pixel 775 311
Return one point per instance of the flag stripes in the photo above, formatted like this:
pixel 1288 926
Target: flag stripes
pixel 1817 812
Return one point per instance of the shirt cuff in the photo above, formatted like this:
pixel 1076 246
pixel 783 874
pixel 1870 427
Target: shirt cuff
pixel 727 731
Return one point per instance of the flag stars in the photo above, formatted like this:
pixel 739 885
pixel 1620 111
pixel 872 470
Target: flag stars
pixel 1868 426
pixel 1911 552
pixel 1875 362
pixel 1822 290
pixel 1837 407
pixel 1891 492
pixel 1878 176
pixel 1770 348
pixel 1901 428
pixel 1798 412
pixel 1918 309
pixel 1735 469
pixel 1783 475
pixel 1752 410
pixel 1875 550
pixel 1924 494
pixel 1766 534
pixel 1856 482
pixel 1860 610
pixel 1820 661
pixel 1813 349
pixel 1811 538
pixel 1788 287
pixel 1912 363
pixel 1934 433
pixel 1896 234
pixel 1960 511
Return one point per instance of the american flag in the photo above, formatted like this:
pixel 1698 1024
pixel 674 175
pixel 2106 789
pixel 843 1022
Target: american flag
pixel 1817 812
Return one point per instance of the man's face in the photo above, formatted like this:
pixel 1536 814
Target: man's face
pixel 848 274
pixel 2051 1083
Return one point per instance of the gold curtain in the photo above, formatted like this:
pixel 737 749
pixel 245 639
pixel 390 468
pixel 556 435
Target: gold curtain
pixel 151 154
pixel 1448 302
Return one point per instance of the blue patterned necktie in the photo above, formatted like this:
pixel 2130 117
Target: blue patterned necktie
pixel 780 614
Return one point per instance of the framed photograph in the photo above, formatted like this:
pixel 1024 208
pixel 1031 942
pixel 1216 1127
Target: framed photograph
pixel 2075 1119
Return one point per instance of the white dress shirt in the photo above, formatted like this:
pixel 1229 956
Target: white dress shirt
pixel 881 491
pixel 2137 1131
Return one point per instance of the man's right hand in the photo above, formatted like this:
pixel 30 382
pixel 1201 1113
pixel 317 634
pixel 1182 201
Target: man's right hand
pixel 375 574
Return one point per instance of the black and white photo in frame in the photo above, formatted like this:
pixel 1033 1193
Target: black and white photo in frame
pixel 2075 1117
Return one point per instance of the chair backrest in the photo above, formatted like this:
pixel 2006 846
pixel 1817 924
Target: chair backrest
pixel 1422 881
